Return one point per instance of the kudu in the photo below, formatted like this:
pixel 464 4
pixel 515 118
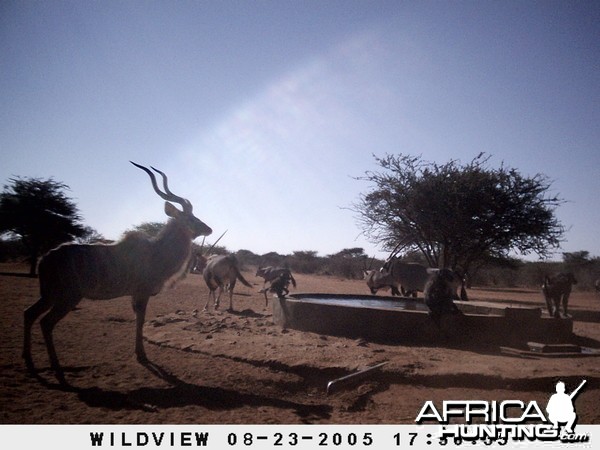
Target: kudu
pixel 137 266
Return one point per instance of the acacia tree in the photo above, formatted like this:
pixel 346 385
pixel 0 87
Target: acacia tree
pixel 40 214
pixel 458 216
pixel 151 229
pixel 349 262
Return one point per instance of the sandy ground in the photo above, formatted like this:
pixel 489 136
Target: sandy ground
pixel 240 368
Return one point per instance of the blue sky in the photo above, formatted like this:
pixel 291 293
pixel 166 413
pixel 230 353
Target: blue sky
pixel 263 112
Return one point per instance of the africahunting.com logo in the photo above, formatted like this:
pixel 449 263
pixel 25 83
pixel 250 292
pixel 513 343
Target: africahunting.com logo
pixel 507 420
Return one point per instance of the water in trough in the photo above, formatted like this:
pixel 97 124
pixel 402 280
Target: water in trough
pixel 407 320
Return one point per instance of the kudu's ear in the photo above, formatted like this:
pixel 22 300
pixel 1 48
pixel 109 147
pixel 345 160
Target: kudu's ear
pixel 171 211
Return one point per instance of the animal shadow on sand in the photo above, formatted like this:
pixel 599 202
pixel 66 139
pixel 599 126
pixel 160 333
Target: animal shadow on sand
pixel 248 313
pixel 179 394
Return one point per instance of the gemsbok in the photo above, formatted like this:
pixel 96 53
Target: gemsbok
pixel 378 280
pixel 407 279
pixel 222 272
pixel 137 266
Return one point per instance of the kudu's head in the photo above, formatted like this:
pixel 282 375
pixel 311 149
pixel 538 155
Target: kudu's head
pixel 195 225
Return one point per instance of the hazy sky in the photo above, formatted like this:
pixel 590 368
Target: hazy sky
pixel 264 112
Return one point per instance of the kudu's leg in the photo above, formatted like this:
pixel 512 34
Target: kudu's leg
pixel 139 307
pixel 48 323
pixel 29 317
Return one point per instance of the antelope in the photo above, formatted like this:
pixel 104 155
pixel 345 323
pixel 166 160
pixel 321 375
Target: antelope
pixel 409 277
pixel 278 278
pixel 378 280
pixel 199 259
pixel 137 266
pixel 222 272
pixel 556 290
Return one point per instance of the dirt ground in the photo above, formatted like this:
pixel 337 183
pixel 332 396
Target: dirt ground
pixel 240 368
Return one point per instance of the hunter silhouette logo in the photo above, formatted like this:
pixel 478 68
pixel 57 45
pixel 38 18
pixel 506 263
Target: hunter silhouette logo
pixel 560 407
pixel 506 420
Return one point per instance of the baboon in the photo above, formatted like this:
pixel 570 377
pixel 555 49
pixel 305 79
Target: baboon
pixel 279 286
pixel 556 290
pixel 282 276
pixel 439 292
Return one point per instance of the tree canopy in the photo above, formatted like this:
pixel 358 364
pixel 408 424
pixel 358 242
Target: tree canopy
pixel 151 229
pixel 458 215
pixel 40 214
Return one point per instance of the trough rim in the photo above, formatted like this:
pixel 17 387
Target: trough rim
pixel 470 307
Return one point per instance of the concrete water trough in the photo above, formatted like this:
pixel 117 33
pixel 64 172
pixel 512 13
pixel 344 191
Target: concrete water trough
pixel 407 320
